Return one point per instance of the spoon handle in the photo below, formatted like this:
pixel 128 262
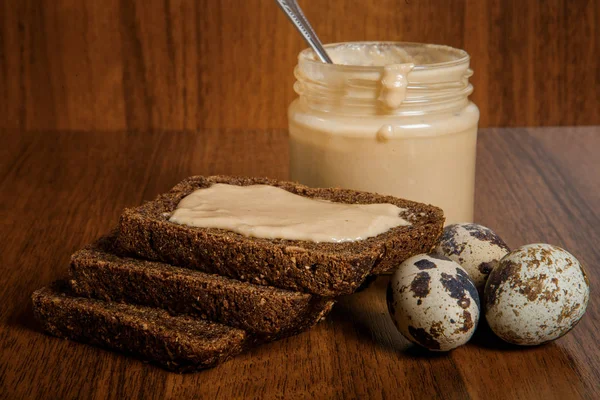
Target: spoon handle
pixel 295 14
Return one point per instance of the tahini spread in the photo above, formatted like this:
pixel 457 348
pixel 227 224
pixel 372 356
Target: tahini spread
pixel 273 213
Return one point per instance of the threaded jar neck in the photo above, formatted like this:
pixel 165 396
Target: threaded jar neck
pixel 384 78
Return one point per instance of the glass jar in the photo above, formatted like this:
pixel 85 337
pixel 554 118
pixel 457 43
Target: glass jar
pixel 399 123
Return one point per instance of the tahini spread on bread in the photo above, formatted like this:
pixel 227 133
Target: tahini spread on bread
pixel 269 212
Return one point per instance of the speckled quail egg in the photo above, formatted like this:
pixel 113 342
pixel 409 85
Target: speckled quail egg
pixel 536 294
pixel 433 302
pixel 476 248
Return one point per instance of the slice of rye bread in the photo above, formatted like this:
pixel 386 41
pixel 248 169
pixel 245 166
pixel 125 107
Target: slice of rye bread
pixel 177 343
pixel 325 269
pixel 98 271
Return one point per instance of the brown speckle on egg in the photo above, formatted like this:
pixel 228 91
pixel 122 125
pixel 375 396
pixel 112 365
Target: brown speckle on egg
pixel 467 322
pixel 485 235
pixel 437 329
pixel 486 267
pixel 423 338
pixel 425 264
pixel 452 285
pixel 451 245
pixel 508 272
pixel 420 285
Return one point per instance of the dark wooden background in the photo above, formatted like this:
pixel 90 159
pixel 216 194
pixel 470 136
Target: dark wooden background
pixel 192 64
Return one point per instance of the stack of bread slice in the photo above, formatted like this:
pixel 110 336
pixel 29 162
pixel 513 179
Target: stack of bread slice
pixel 188 298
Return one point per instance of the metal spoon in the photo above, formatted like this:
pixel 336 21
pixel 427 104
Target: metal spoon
pixel 294 13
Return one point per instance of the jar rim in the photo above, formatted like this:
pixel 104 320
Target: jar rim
pixel 308 56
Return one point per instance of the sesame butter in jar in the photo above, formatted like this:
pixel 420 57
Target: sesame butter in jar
pixel 387 117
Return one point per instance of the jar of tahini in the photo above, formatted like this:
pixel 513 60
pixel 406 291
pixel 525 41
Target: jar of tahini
pixel 387 117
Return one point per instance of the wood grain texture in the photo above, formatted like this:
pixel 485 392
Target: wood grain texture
pixel 177 64
pixel 61 190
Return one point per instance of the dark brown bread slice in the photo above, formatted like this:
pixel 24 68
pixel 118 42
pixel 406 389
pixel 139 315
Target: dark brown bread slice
pixel 326 269
pixel 97 271
pixel 179 343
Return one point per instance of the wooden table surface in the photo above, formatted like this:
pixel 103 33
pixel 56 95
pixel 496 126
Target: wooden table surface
pixel 61 190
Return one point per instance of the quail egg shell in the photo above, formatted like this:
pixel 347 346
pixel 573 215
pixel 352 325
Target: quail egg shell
pixel 536 294
pixel 433 302
pixel 475 247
